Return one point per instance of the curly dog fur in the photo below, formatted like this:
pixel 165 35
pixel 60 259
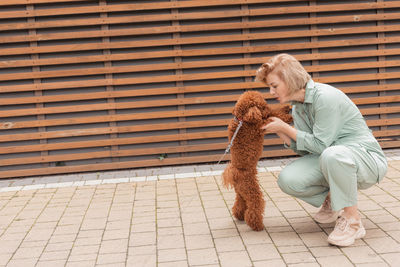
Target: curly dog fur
pixel 241 172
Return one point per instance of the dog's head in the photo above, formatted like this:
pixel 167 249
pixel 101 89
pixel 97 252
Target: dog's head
pixel 252 108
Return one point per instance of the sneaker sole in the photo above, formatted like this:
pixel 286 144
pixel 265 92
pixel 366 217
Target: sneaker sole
pixel 344 243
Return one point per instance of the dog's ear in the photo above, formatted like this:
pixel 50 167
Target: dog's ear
pixel 253 115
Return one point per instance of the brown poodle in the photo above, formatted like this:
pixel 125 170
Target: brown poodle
pixel 241 173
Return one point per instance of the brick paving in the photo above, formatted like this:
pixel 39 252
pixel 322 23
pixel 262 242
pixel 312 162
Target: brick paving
pixel 182 219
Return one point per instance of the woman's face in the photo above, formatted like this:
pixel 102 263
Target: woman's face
pixel 278 88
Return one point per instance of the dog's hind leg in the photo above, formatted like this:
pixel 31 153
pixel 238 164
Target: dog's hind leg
pixel 255 206
pixel 239 207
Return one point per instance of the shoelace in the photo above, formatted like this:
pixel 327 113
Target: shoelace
pixel 341 223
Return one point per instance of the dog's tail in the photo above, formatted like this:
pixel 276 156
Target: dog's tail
pixel 227 176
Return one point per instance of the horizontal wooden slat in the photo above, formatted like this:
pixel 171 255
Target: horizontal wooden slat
pixel 153 115
pixel 380 110
pixel 199 40
pixel 183 101
pixel 107 154
pixel 122 117
pixel 110 142
pixel 383 122
pixel 124 153
pixel 111 130
pixel 155 6
pixel 376 100
pixel 106 9
pixel 122 57
pixel 386 133
pixel 148 139
pixel 146 163
pixel 114 94
pixel 147 151
pixel 180 16
pixel 206 76
pixel 29 2
pixel 155 151
pixel 129 164
pixel 164 90
pixel 196 28
pixel 130 105
pixel 189 65
pixel 121 141
pixel 149 127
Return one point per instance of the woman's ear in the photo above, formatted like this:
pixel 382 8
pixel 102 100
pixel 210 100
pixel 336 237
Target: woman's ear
pixel 253 115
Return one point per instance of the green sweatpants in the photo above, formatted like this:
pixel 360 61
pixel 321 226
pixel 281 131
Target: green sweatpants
pixel 341 170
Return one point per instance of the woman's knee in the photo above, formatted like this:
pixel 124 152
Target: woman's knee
pixel 333 155
pixel 286 181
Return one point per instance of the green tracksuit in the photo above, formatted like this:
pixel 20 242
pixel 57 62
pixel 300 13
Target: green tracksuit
pixel 339 152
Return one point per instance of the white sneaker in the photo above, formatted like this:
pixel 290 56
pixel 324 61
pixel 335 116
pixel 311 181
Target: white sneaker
pixel 346 232
pixel 326 214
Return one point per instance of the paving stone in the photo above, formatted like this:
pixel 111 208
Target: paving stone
pixel 199 241
pixel 292 249
pixel 383 244
pixel 176 254
pixel 361 254
pixel 270 263
pixel 250 237
pixel 229 244
pixel 260 252
pixel 237 258
pixel 314 239
pixel 391 258
pixel 202 256
pixel 111 258
pixel 325 251
pixel 286 239
pixel 170 242
pixel 142 260
pixel 334 261
pixel 298 257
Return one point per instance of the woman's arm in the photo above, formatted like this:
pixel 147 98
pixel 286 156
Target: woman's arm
pixel 286 139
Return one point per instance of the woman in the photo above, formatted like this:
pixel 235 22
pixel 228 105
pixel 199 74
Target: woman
pixel 339 152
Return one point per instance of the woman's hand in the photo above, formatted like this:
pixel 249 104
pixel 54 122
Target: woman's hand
pixel 275 126
pixel 282 129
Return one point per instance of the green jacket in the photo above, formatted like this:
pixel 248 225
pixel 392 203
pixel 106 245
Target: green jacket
pixel 327 118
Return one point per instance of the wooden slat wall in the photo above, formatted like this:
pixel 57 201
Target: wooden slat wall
pixel 115 84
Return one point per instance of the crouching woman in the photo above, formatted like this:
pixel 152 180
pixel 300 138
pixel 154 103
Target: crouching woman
pixel 339 153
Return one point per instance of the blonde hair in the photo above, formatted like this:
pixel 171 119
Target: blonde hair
pixel 288 69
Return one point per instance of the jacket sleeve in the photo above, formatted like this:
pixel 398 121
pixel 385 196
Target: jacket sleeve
pixel 293 146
